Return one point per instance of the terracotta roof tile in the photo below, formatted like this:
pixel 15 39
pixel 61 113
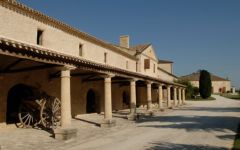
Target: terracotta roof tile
pixel 164 61
pixel 195 77
pixel 140 48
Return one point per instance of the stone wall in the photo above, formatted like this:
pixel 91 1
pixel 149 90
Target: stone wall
pixel 22 28
pixel 216 85
pixel 167 67
pixel 39 79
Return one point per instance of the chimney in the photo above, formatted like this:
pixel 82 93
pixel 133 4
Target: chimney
pixel 124 41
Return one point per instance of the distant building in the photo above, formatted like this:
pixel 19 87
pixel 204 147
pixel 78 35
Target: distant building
pixel 219 84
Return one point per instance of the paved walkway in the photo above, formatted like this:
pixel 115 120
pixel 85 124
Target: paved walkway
pixel 199 125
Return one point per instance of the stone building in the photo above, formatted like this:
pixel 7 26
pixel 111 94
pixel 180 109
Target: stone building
pixel 87 74
pixel 219 84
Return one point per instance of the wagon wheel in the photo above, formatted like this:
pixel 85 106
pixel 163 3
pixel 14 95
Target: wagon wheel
pixel 28 116
pixel 51 113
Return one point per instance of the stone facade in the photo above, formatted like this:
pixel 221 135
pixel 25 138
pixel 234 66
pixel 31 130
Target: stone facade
pixel 219 85
pixel 87 74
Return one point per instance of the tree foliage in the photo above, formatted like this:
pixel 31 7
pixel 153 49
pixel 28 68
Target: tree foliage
pixel 195 91
pixel 189 88
pixel 205 84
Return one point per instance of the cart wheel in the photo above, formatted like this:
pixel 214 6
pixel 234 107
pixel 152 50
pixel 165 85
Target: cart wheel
pixel 27 117
pixel 51 113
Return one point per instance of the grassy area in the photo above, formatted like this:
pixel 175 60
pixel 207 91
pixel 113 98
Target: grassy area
pixel 199 98
pixel 227 95
pixel 236 145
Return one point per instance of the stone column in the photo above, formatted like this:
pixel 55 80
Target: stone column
pixel 149 96
pixel 65 98
pixel 169 105
pixel 108 102
pixel 65 132
pixel 107 98
pixel 179 96
pixel 175 96
pixel 132 114
pixel 160 96
pixel 183 95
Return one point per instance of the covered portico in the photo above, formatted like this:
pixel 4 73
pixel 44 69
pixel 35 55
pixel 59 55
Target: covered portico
pixel 58 69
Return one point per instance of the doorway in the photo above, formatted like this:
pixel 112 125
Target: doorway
pixel 16 94
pixel 91 102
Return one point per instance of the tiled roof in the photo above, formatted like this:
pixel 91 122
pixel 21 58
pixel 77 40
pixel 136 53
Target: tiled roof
pixel 168 72
pixel 126 50
pixel 195 77
pixel 37 53
pixel 164 61
pixel 140 48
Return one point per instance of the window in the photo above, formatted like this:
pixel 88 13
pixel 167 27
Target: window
pixel 80 49
pixel 39 37
pixel 126 64
pixel 146 63
pixel 136 66
pixel 105 57
pixel 154 68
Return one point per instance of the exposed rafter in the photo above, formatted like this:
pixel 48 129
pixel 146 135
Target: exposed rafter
pixel 30 69
pixel 12 65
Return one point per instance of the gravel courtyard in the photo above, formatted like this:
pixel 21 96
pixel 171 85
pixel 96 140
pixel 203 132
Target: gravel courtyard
pixel 198 125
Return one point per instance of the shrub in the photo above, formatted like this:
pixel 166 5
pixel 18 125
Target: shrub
pixel 195 91
pixel 189 88
pixel 205 84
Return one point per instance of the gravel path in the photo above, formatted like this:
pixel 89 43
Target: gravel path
pixel 199 125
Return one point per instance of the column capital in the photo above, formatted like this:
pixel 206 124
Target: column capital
pixel 133 80
pixel 175 87
pixel 168 86
pixel 149 82
pixel 161 84
pixel 67 67
pixel 108 75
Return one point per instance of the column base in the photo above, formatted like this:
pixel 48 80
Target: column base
pixel 108 123
pixel 150 112
pixel 65 133
pixel 132 117
pixel 161 109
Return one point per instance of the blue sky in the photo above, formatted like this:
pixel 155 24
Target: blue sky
pixel 195 34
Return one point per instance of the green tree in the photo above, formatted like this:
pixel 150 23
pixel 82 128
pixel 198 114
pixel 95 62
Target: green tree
pixel 189 88
pixel 205 84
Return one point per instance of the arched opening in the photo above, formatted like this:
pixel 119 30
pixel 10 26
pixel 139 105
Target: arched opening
pixel 220 90
pixel 125 99
pixel 91 102
pixel 16 94
pixel 223 89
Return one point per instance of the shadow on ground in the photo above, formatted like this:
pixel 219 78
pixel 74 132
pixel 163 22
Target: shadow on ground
pixel 194 122
pixel 173 146
pixel 215 109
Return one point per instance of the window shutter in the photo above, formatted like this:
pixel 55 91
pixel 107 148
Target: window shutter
pixel 147 64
